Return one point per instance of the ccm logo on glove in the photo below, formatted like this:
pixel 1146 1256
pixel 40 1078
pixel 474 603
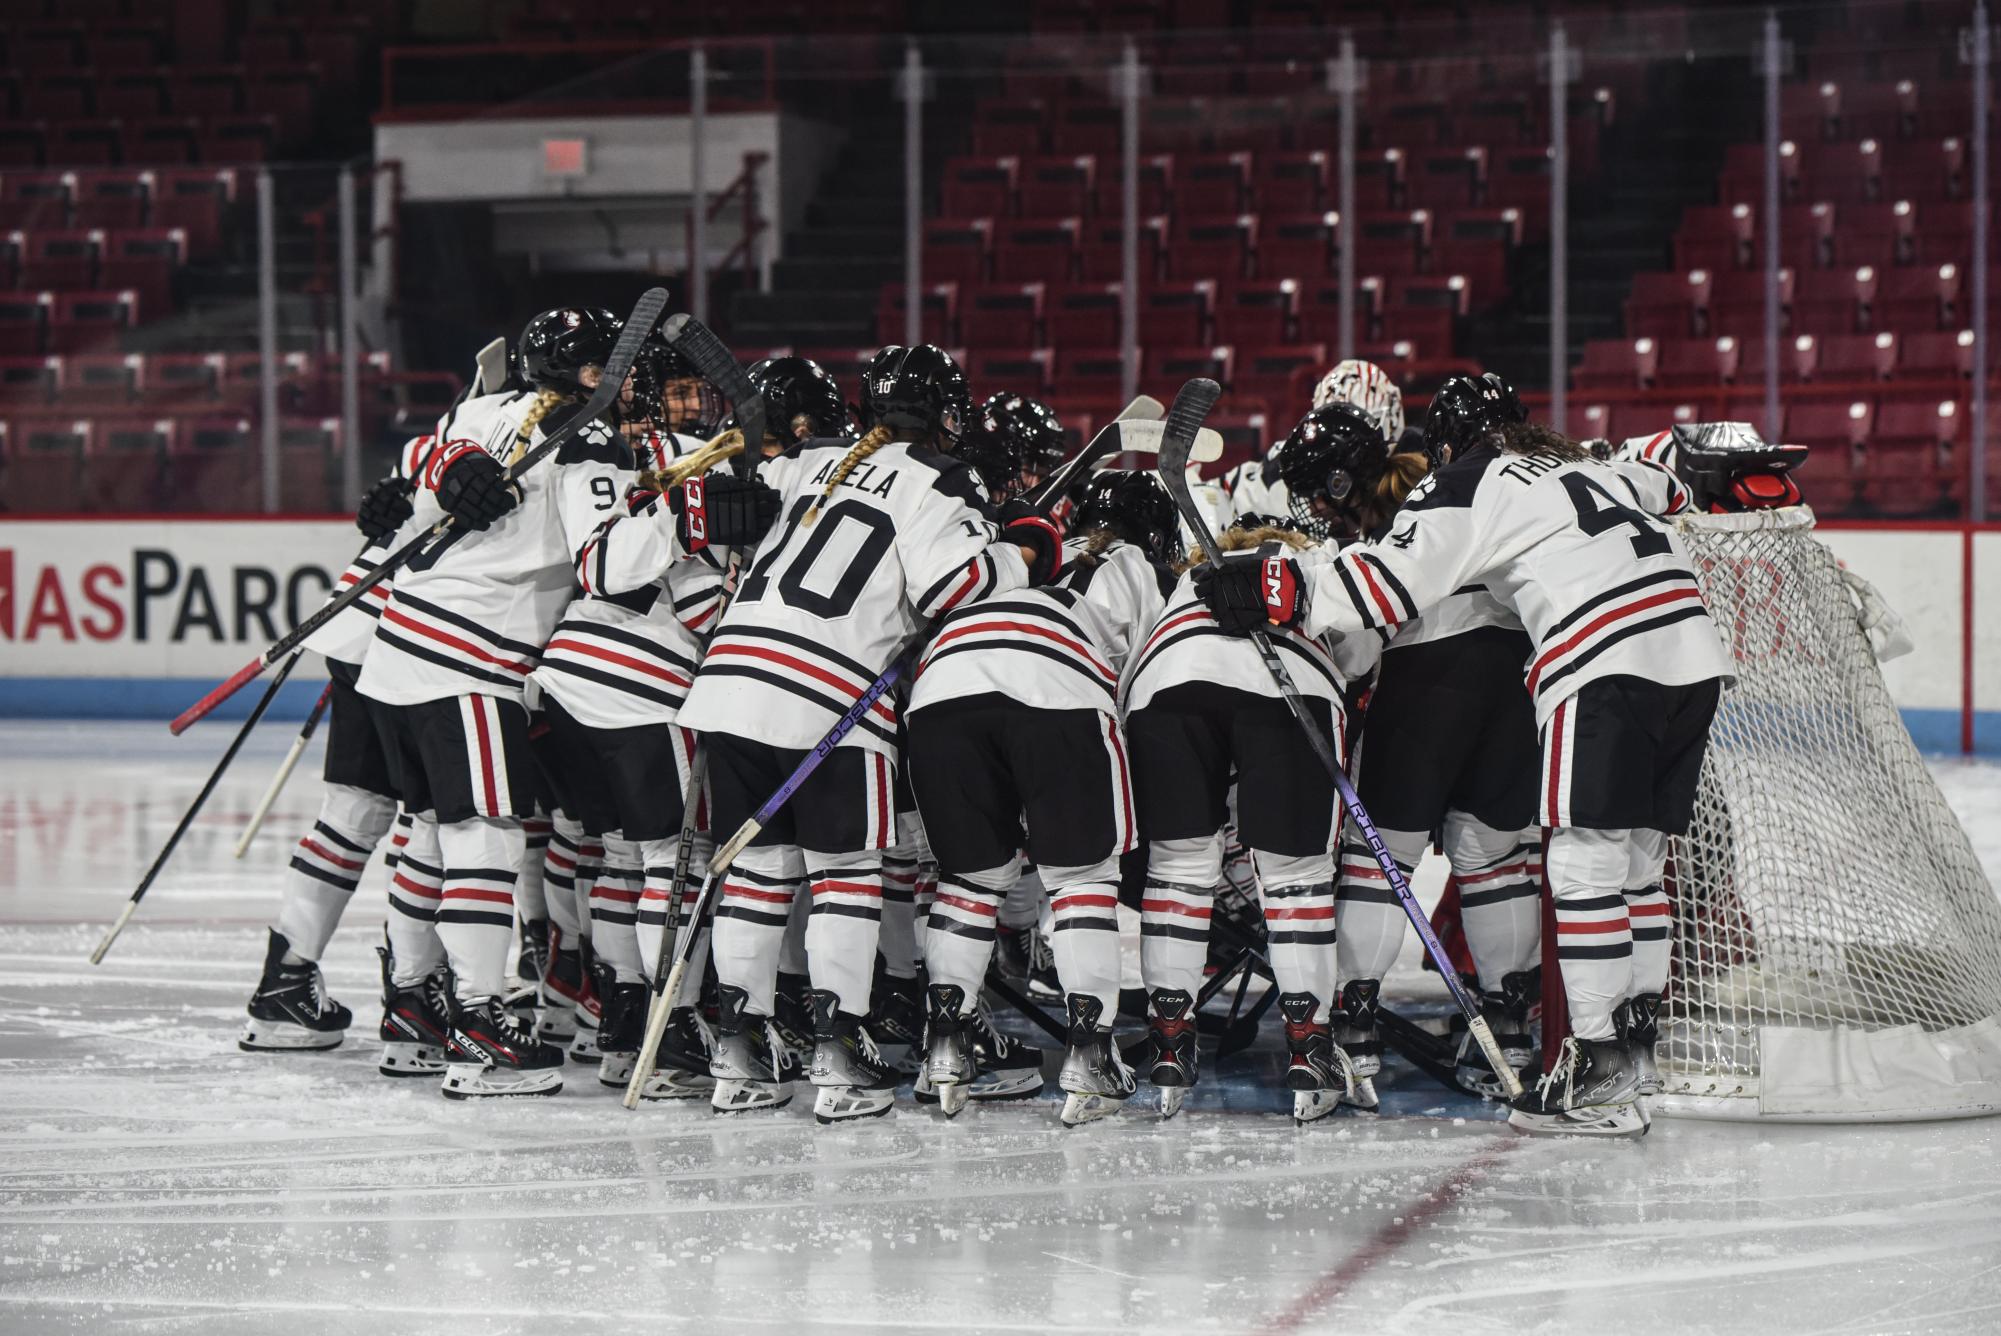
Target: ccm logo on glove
pixel 718 510
pixel 1281 585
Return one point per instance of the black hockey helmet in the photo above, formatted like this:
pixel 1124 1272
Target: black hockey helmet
pixel 1335 454
pixel 557 345
pixel 1032 425
pixel 993 454
pixel 669 392
pixel 796 388
pixel 1134 505
pixel 918 389
pixel 1466 408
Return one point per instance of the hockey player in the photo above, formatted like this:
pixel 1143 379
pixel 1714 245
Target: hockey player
pixel 873 537
pixel 1033 432
pixel 1625 676
pixel 290 1009
pixel 801 402
pixel 1256 487
pixel 1201 713
pixel 453 649
pixel 1448 744
pixel 1013 721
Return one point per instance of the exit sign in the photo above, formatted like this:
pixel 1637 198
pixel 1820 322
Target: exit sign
pixel 565 157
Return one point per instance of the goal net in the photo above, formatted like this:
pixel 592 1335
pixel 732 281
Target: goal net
pixel 1837 946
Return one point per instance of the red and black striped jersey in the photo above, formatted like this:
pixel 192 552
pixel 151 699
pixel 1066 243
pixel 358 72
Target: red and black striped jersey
pixel 1186 645
pixel 1059 647
pixel 906 536
pixel 1573 546
pixel 347 636
pixel 625 652
pixel 472 615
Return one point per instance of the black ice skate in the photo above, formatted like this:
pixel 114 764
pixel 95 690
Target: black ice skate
pixel 621 1025
pixel 564 986
pixel 681 1068
pixel 290 1010
pixel 1507 1015
pixel 1358 1031
pixel 493 1052
pixel 896 1021
pixel 1024 957
pixel 1320 1074
pixel 752 1070
pixel 1171 1027
pixel 853 1080
pixel 1639 1019
pixel 524 990
pixel 1003 1068
pixel 1095 1078
pixel 948 1048
pixel 792 1015
pixel 416 1020
pixel 1594 1089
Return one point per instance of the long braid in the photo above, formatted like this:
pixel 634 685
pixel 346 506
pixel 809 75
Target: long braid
pixel 545 403
pixel 862 449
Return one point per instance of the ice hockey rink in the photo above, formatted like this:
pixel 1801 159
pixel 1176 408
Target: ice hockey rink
pixel 155 1179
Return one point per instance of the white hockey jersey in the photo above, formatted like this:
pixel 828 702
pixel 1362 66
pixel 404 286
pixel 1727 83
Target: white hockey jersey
pixel 625 652
pixel 347 636
pixel 822 609
pixel 1058 647
pixel 472 616
pixel 1254 488
pixel 1602 587
pixel 1186 645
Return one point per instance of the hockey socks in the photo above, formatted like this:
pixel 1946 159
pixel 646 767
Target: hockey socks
pixel 529 895
pixel 655 895
pixel 1174 911
pixel 758 893
pixel 327 865
pixel 959 939
pixel 1369 915
pixel 415 888
pixel 1298 897
pixel 846 923
pixel 1648 909
pixel 482 860
pixel 615 909
pixel 1587 873
pixel 1084 903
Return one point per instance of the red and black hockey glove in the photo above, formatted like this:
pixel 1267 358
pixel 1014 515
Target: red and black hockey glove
pixel 473 487
pixel 722 510
pixel 1026 527
pixel 1249 594
pixel 384 507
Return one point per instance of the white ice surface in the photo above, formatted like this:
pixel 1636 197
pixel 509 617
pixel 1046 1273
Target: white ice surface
pixel 155 1179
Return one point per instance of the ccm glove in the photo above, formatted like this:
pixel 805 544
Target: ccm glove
pixel 1252 594
pixel 1025 526
pixel 384 508
pixel 473 488
pixel 722 510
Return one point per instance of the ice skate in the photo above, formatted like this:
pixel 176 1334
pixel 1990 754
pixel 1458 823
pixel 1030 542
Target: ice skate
pixel 751 1068
pixel 1174 1058
pixel 1594 1090
pixel 563 986
pixel 853 1080
pixel 290 1010
pixel 1003 1068
pixel 524 990
pixel 1507 1015
pixel 492 1052
pixel 896 1020
pixel 1095 1079
pixel 1023 957
pixel 1639 1019
pixel 681 1068
pixel 621 1025
pixel 1358 1033
pixel 948 1048
pixel 792 1016
pixel 1320 1074
pixel 416 1021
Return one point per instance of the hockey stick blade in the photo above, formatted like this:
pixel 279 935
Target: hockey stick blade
pixel 718 365
pixel 1144 438
pixel 645 315
pixel 1105 443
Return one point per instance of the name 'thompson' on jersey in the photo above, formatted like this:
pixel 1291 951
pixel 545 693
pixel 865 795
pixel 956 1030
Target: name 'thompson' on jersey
pixel 1059 647
pixel 822 608
pixel 1602 586
pixel 472 615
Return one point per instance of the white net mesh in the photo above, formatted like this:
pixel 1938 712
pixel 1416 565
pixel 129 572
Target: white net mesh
pixel 1827 901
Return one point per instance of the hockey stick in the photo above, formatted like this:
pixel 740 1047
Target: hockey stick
pixel 188 817
pixel 1190 406
pixel 285 771
pixel 637 326
pixel 1145 408
pixel 718 365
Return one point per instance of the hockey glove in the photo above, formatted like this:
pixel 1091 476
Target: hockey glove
pixel 1252 594
pixel 722 510
pixel 473 488
pixel 384 508
pixel 1027 528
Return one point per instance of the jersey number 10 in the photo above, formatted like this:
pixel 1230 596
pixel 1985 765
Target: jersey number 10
pixel 860 553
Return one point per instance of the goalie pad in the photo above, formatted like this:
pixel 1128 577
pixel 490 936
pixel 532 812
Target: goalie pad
pixel 1726 466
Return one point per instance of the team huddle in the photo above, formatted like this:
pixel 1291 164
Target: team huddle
pixel 626 651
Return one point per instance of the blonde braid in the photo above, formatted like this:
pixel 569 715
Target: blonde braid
pixel 862 449
pixel 545 403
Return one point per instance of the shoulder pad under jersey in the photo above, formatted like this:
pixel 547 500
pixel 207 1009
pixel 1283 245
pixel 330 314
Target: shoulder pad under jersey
pixel 595 444
pixel 952 477
pixel 1453 485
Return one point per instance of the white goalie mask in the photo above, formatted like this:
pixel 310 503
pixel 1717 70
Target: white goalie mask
pixel 1369 388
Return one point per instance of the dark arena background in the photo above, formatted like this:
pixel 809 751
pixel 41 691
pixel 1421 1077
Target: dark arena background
pixel 250 249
